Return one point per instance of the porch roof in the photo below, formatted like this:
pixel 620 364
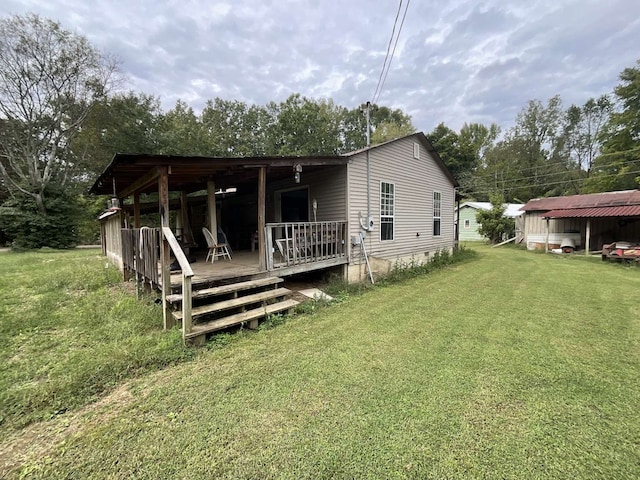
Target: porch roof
pixel 597 212
pixel 136 172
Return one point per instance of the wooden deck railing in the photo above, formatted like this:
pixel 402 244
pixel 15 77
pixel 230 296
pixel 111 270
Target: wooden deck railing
pixel 187 274
pixel 140 250
pixel 141 253
pixel 298 243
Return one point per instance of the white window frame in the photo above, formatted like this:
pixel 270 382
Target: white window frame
pixel 437 213
pixel 388 210
pixel 416 150
pixel 467 223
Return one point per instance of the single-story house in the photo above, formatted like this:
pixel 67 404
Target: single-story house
pixel 469 224
pixel 588 220
pixel 357 214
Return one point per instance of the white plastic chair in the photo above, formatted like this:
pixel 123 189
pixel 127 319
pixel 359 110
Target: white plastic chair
pixel 215 249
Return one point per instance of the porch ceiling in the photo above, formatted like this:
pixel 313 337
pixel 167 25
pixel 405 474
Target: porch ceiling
pixel 190 173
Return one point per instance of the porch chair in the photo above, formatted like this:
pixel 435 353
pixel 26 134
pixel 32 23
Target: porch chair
pixel 215 249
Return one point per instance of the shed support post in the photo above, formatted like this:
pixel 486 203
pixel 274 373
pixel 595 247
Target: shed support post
pixel 546 242
pixel 262 193
pixel 211 208
pixel 587 239
pixel 165 251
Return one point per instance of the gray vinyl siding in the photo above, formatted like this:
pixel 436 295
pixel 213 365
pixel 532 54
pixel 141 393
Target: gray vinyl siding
pixel 327 185
pixel 415 181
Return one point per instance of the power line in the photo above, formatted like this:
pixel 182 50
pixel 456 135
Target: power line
pixel 385 66
pixel 393 51
pixel 544 185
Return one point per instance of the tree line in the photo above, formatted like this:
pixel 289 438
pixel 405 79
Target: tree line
pixel 62 119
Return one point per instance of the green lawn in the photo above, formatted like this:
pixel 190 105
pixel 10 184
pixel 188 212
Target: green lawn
pixel 70 331
pixel 513 365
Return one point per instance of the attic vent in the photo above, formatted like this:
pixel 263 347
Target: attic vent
pixel 416 150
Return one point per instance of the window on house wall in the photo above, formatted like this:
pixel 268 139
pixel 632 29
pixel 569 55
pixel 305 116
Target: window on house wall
pixel 387 210
pixel 416 150
pixel 467 224
pixel 437 207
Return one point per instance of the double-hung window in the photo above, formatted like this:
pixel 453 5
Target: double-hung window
pixel 437 207
pixel 387 210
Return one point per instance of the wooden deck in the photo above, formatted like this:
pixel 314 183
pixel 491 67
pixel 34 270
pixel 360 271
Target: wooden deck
pixel 242 264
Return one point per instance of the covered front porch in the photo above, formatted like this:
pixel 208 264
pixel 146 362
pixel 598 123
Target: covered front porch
pixel 277 216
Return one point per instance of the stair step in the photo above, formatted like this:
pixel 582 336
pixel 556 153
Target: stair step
pixel 224 289
pixel 213 325
pixel 234 302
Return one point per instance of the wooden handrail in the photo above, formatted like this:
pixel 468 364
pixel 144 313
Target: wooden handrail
pixel 177 251
pixel 187 273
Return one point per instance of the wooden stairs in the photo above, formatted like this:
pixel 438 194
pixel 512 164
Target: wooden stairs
pixel 219 307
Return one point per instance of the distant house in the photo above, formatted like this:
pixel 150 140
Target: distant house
pixel 469 225
pixel 354 214
pixel 588 220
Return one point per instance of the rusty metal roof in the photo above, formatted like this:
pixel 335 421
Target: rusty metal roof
pixel 622 211
pixel 595 200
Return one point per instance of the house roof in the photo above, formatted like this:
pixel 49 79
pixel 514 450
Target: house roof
pixel 511 210
pixel 595 200
pixel 189 172
pixel 422 138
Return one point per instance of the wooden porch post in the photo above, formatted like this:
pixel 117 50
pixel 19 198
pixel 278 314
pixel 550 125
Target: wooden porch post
pixel 587 237
pixel 262 193
pixel 136 210
pixel 184 217
pixel 165 252
pixel 211 208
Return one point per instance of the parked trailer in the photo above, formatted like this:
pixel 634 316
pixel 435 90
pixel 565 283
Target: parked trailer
pixel 621 251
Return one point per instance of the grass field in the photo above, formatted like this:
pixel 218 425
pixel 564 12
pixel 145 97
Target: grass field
pixel 512 365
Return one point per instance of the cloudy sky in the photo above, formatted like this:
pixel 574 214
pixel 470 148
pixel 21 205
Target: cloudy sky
pixel 456 61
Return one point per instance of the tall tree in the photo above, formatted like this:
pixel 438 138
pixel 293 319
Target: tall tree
pixel 123 123
pixel 181 132
pixel 618 168
pixel 303 126
pixel 233 128
pixel 385 124
pixel 50 79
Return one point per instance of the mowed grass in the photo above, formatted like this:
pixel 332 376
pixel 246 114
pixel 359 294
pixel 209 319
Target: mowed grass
pixel 512 365
pixel 71 331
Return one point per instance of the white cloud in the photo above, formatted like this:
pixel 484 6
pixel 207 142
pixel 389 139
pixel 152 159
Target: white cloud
pixel 456 62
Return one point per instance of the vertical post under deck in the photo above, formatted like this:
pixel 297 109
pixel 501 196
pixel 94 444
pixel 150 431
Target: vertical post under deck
pixel 262 193
pixel 165 251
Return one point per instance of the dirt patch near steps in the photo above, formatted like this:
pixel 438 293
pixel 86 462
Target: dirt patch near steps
pixel 39 439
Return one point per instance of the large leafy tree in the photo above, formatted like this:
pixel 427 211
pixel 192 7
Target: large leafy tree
pixel 385 123
pixel 463 153
pixel 122 123
pixel 618 167
pixel 233 128
pixel 50 79
pixel 303 126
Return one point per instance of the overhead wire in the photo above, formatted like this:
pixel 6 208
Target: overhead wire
pixel 389 55
pixel 393 51
pixel 541 185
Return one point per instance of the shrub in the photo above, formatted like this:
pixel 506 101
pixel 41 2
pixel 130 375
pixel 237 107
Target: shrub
pixel 28 228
